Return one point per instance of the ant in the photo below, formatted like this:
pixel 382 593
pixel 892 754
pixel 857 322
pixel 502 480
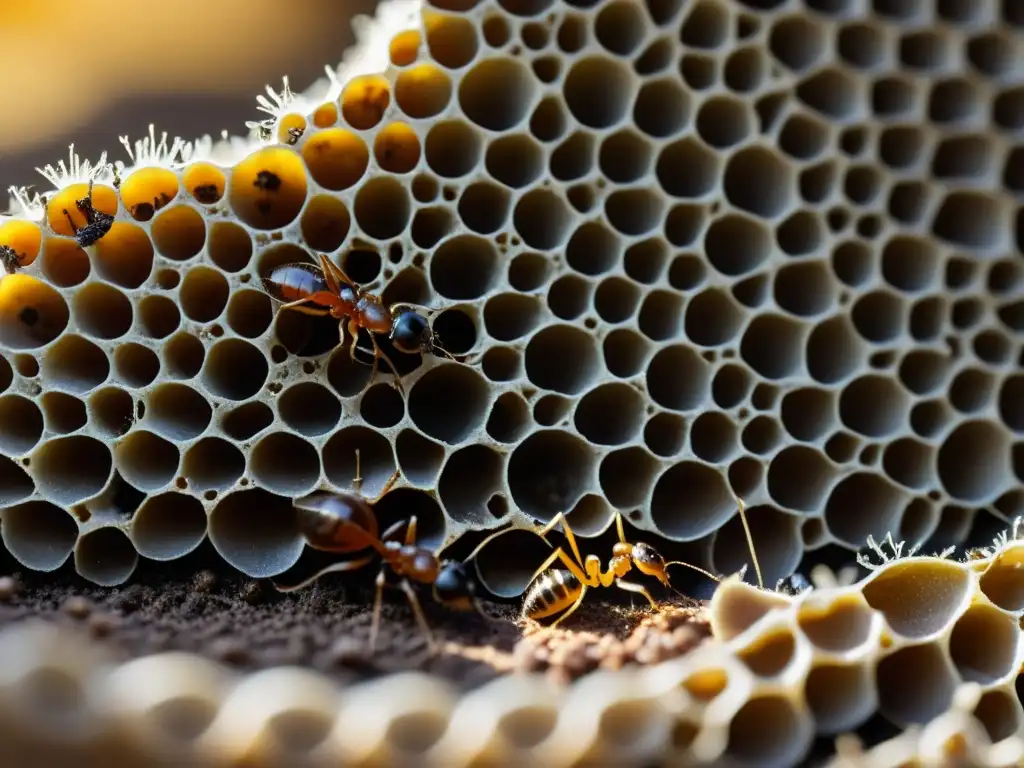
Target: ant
pixel 344 523
pixel 97 223
pixel 556 591
pixel 327 291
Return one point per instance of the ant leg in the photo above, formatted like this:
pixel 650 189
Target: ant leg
pixel 414 307
pixel 333 272
pixel 377 353
pixel 375 621
pixel 639 589
pixel 577 604
pixel 417 609
pixel 485 542
pixel 299 306
pixel 391 533
pixel 71 221
pixel 410 532
pixel 347 565
pixel 387 487
pixel 560 518
pixel 574 568
pixel 750 540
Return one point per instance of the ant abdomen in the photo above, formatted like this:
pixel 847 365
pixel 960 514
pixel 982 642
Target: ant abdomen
pixel 337 522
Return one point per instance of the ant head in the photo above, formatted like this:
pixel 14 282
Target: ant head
pixel 411 333
pixel 650 562
pixel 455 587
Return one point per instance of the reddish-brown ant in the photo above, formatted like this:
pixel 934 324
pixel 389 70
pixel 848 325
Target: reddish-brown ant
pixel 97 223
pixel 327 290
pixel 344 523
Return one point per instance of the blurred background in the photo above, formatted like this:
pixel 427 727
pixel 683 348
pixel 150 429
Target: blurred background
pixel 88 71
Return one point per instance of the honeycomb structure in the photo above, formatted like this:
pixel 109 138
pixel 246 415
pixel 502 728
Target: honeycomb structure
pixel 931 643
pixel 691 248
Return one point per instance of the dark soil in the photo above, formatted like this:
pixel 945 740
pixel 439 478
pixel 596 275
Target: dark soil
pixel 199 605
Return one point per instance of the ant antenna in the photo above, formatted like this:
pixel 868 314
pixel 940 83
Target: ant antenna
pixel 485 542
pixel 750 541
pixel 357 481
pixel 693 567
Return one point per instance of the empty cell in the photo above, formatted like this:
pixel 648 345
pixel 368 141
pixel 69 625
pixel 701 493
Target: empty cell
pixel 70 470
pixel 610 414
pixel 381 406
pixel 168 526
pixel 183 356
pixel 452 148
pixel 688 168
pixel 616 299
pixel 627 475
pixel 625 352
pixel 910 263
pixel 285 463
pixel 551 410
pixel 497 94
pixel 800 478
pixel 235 369
pixel 146 460
pixel 549 471
pixel 247 421
pixel 451 40
pixel 124 256
pixel 909 201
pixel 15 484
pixel 836 623
pixel 759 181
pixel 724 121
pixel 574 157
pixel 510 316
pixel 665 434
pixel 678 378
pixel 992 347
pixel 974 462
pixel 64 414
pixel 863 505
pixel 706 25
pixel 336 158
pixel 508 420
pixel 773 346
pixel 736 244
pixel 598 91
pixel 593 249
pixel 529 272
pixel 808 413
pixel 1008 109
pixel 928 318
pixel 927 50
pixel 798 42
pixel 874 406
pixel 620 27
pixel 421 91
pixel 449 403
pixel 569 296
pixel 213 464
pixel 684 224
pixel 915 684
pixel 686 272
pixel 768 730
pixel 903 147
pixel 805 289
pixel 549 120
pixel 516 160
pixel 105 556
pixel 746 69
pixel 999 712
pixel 21 424
pixel 713 318
pixel 634 211
pixel 63 263
pixel 563 359
pixel 309 408
pixel 230 247
pixel 158 316
pixel 833 93
pixel 382 208
pixel 802 233
pixel 624 157
pixel 662 108
pixel 955 100
pixel 471 476
pixel 879 316
pixel 752 292
pixel 645 261
pixel 661 315
pixel 39 535
pixel 840 696
pixel 102 311
pixel 179 233
pixel 731 385
pixel 803 136
pixel 864 45
pixel 714 437
pixel 464 267
pixel 204 294
pixel 483 207
pixel 968 158
pixel 818 182
pixel 973 220
pixel 1011 402
pixel 971 390
pixel 657 57
pixel 76 364
pixel 862 184
pixel 542 219
pixel 431 225
pixel 930 418
pixel 178 412
pixel 32 314
pixel 993 53
pixel 910 463
pixel 256 532
pixel 690 500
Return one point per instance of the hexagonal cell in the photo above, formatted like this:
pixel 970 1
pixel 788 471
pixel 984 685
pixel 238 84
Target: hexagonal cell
pixel 146 460
pixel 212 464
pixel 70 470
